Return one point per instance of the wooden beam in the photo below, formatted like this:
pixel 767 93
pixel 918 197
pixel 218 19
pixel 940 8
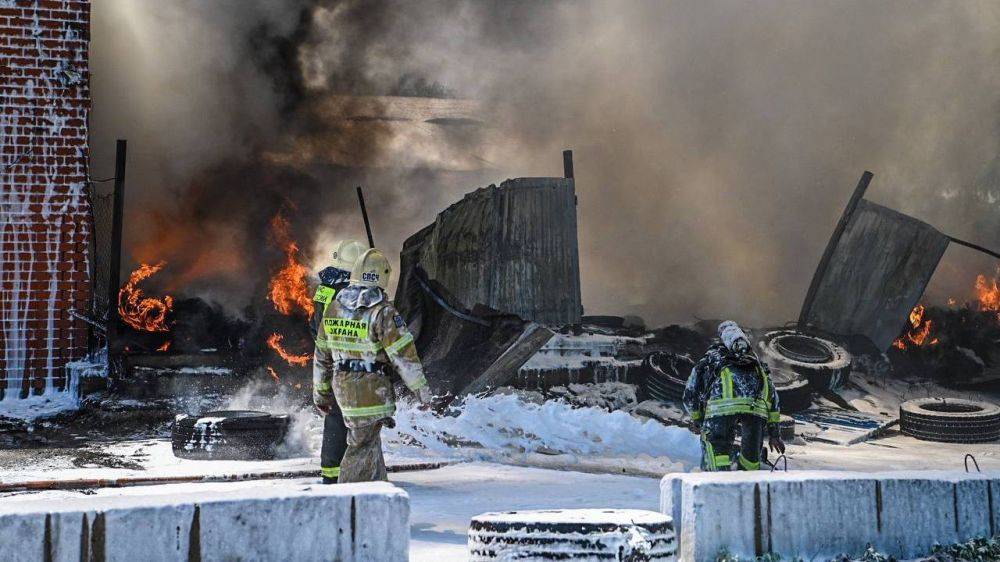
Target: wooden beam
pixel 504 369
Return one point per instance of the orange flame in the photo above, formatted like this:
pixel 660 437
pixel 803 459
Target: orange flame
pixel 988 294
pixel 142 313
pixel 274 374
pixel 919 333
pixel 274 342
pixel 288 289
pixel 164 347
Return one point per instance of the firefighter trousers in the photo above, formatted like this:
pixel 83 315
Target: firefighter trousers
pixel 363 460
pixel 334 444
pixel 718 435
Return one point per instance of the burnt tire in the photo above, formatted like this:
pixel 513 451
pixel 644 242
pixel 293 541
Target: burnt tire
pixel 824 363
pixel 950 420
pixel 794 392
pixel 665 375
pixel 626 535
pixel 228 435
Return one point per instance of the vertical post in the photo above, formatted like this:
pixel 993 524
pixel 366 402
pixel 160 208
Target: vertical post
pixel 568 164
pixel 824 262
pixel 364 215
pixel 117 220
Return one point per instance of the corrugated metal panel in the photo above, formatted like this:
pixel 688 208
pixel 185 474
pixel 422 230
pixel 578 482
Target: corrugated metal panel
pixel 511 247
pixel 877 273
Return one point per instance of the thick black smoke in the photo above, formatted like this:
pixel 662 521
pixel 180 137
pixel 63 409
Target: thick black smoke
pixel 716 142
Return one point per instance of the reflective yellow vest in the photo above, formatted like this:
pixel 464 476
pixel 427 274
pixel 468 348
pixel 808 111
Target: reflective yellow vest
pixel 730 405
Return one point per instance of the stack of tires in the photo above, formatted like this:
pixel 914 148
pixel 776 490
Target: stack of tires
pixel 802 364
pixel 666 374
pixel 228 435
pixel 625 535
pixel 822 362
pixel 950 420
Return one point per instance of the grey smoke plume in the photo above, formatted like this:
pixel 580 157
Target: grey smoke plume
pixel 716 142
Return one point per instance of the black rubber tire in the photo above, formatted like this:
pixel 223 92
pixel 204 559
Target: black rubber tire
pixel 515 536
pixel 794 392
pixel 950 420
pixel 825 364
pixel 228 435
pixel 666 374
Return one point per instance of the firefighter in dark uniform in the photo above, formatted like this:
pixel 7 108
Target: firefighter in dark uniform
pixel 333 279
pixel 362 341
pixel 730 391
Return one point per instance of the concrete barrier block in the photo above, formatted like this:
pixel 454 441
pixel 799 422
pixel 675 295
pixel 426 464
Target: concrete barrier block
pixel 114 532
pixel 287 521
pixel 814 516
pixel 717 514
pixel 820 514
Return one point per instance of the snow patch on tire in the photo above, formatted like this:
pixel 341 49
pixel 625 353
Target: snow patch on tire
pixel 825 363
pixel 572 534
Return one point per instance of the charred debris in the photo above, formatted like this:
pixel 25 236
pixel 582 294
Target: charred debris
pixel 491 291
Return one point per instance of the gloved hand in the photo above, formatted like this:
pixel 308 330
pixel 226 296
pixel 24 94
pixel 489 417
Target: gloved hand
pixel 776 444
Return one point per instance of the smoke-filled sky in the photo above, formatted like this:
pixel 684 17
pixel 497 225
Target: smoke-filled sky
pixel 716 143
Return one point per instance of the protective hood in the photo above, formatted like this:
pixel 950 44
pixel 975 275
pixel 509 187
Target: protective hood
pixel 354 297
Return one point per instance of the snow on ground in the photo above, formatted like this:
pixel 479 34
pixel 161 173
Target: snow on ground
pixel 53 401
pixel 504 424
pixel 443 501
pixel 496 428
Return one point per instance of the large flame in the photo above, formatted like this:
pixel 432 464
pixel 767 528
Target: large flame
pixel 274 342
pixel 142 313
pixel 288 289
pixel 919 333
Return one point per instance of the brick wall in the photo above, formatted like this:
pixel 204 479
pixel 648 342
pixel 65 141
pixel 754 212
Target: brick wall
pixel 44 213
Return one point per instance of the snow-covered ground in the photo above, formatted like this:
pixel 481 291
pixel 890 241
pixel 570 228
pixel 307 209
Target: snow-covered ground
pixel 443 501
pixel 505 453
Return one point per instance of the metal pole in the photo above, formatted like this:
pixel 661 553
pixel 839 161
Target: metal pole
pixel 568 164
pixel 824 262
pixel 364 214
pixel 117 219
pixel 974 247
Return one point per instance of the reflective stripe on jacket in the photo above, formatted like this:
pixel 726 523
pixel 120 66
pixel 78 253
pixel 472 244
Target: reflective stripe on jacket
pixel 374 336
pixel 730 404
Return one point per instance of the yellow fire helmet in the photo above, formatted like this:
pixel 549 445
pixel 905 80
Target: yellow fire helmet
pixel 346 253
pixel 372 269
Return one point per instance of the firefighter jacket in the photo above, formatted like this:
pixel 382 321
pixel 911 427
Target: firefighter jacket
pixel 361 339
pixel 726 384
pixel 331 280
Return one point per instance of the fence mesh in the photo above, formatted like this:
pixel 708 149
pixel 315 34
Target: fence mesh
pixel 102 198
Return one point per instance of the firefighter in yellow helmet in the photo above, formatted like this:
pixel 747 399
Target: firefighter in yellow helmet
pixel 333 279
pixel 362 338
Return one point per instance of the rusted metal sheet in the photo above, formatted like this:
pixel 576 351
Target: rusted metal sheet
pixel 873 274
